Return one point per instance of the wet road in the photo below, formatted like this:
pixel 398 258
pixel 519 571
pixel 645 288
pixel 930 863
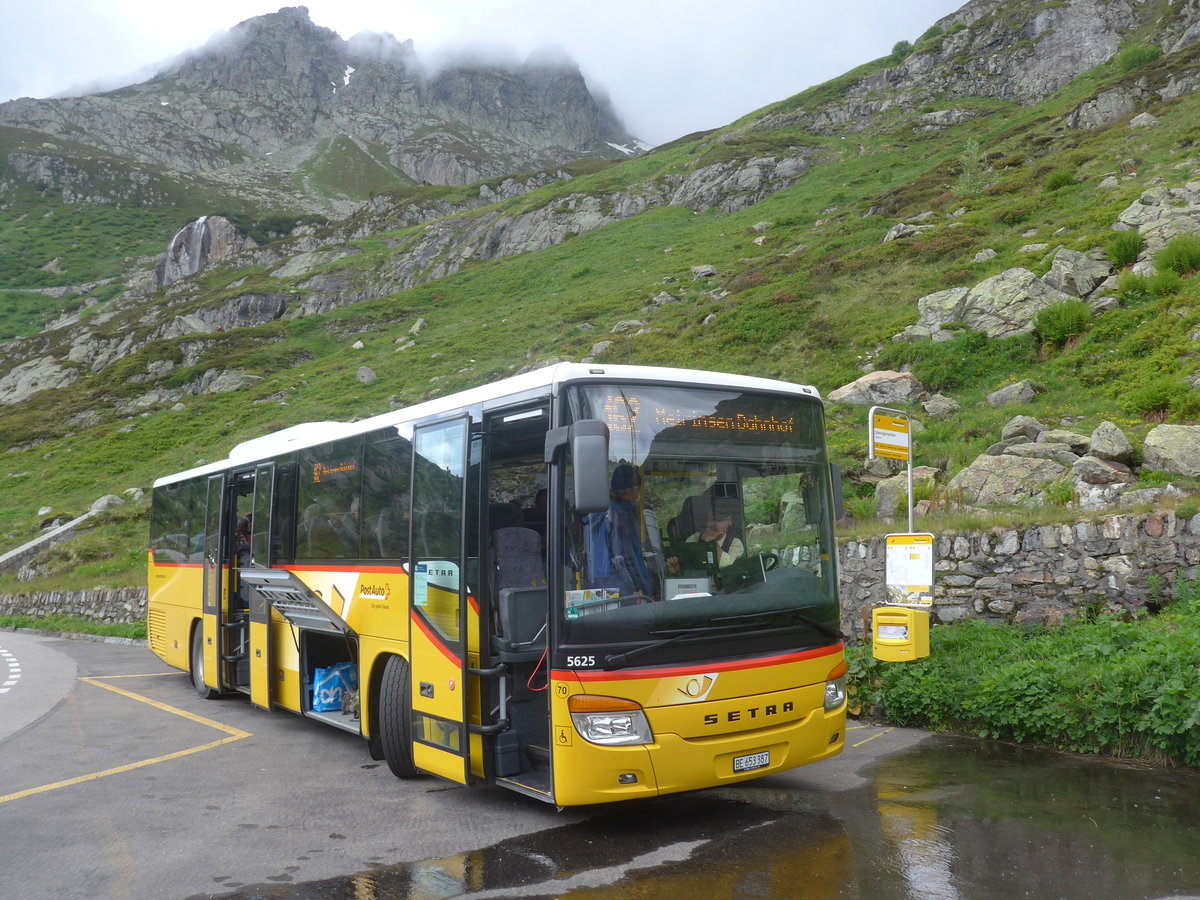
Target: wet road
pixel 947 819
pixel 146 791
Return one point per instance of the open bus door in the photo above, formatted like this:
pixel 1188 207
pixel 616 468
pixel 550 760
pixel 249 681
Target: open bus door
pixel 259 607
pixel 438 612
pixel 207 670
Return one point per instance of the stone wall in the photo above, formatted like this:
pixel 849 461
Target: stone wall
pixel 107 606
pixel 1008 576
pixel 1041 574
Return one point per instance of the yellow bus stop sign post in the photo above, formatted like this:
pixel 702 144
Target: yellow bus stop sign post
pixel 890 436
pixel 900 630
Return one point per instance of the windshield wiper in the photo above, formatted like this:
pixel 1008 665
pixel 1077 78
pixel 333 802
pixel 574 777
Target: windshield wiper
pixel 794 613
pixel 613 660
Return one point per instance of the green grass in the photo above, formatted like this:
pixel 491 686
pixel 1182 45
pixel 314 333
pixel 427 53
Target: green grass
pixel 69 625
pixel 1095 685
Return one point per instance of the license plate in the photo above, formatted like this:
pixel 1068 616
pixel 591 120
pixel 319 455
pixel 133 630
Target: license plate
pixel 753 761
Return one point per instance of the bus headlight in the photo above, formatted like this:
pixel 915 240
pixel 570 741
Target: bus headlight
pixel 835 694
pixel 609 721
pixel 835 687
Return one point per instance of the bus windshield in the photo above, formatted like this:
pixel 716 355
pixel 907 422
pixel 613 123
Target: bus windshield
pixel 718 538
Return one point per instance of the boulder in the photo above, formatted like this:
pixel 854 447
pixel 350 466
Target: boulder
pixel 108 501
pixel 1076 443
pixel 1021 392
pixel 366 375
pixel 1059 452
pixel 1173 448
pixel 891 492
pixel 1076 273
pixel 1093 470
pixel 1022 426
pixel 880 389
pixel 1109 442
pixel 1002 306
pixel 1005 480
pixel 939 406
pixel 903 230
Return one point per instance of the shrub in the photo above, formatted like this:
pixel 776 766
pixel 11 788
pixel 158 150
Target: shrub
pixel 1181 255
pixel 973 179
pixel 1133 289
pixel 1133 57
pixel 1163 282
pixel 1153 396
pixel 900 50
pixel 1014 215
pixel 1124 248
pixel 1058 180
pixel 1057 324
pixel 1086 686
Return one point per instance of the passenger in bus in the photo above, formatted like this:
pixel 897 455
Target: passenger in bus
pixel 717 537
pixel 241 539
pixel 615 557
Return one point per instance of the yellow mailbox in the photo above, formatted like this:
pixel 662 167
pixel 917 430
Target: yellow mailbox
pixel 899 634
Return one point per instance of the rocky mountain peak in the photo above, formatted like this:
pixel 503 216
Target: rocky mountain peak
pixel 259 109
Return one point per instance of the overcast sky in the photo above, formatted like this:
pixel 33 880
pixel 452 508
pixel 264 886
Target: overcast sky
pixel 671 67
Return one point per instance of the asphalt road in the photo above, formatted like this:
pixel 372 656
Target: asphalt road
pixel 116 780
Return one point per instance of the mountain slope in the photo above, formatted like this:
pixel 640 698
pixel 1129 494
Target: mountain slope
pixel 612 262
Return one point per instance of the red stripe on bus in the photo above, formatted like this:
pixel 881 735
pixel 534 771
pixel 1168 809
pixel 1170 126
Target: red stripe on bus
pixel 391 570
pixel 694 668
pixel 435 640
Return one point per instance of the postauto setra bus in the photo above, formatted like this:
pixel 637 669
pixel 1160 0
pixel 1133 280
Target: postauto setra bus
pixel 584 583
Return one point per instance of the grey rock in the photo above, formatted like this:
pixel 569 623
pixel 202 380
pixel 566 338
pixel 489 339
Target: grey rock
pixel 1076 273
pixel 366 375
pixel 880 389
pixel 1173 448
pixel 198 244
pixel 1058 452
pixel 1005 480
pixel 1021 392
pixel 1109 442
pixel 1026 427
pixel 1076 443
pixel 1093 470
pixel 939 406
pixel 108 501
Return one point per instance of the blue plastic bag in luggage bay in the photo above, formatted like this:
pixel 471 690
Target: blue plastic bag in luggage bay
pixel 330 684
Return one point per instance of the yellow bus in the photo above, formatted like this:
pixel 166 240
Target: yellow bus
pixel 583 583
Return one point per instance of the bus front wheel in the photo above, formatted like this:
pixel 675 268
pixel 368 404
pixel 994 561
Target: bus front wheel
pixel 205 692
pixel 395 718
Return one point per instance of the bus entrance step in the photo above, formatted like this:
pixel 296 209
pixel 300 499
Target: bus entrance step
pixel 539 755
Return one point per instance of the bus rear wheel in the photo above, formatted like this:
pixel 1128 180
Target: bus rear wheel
pixel 202 689
pixel 395 718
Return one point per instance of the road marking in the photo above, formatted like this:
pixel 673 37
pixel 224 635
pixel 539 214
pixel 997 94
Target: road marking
pixel 234 734
pixel 14 671
pixel 859 744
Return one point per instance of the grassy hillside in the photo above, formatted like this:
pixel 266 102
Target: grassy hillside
pixel 819 296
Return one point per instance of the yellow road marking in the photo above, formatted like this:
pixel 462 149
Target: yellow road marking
pixel 235 734
pixel 864 740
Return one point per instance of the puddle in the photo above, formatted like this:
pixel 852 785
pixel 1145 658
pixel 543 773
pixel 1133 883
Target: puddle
pixel 952 819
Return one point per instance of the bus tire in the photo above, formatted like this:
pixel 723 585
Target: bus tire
pixel 395 718
pixel 197 673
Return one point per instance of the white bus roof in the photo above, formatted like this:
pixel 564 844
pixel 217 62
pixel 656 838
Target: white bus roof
pixel 309 434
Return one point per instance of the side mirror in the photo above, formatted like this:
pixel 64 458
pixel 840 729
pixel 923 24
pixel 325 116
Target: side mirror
pixel 588 440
